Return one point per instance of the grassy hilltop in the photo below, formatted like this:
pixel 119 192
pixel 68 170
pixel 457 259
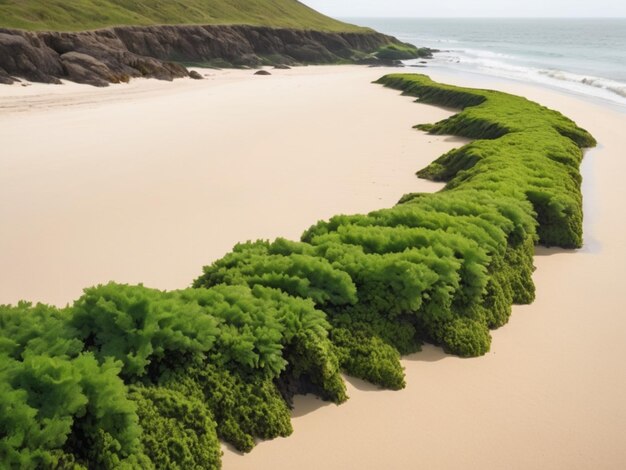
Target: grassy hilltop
pixel 80 15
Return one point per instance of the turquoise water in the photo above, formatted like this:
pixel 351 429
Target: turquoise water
pixel 585 56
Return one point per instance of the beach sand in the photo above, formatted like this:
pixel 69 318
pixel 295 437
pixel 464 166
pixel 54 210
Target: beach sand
pixel 149 181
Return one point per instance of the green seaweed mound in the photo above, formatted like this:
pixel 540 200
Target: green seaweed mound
pixel 446 267
pixel 131 377
pixel 402 51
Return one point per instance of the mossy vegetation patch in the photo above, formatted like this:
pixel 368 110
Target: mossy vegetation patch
pixel 402 51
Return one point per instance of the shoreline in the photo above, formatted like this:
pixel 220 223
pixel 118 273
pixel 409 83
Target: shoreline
pixel 480 77
pixel 580 55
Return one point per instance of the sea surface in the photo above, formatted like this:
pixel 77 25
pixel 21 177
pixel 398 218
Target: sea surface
pixel 584 56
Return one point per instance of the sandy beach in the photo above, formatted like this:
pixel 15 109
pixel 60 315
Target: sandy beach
pixel 150 181
pixel 147 182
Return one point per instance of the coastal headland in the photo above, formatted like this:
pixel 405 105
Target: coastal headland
pixel 99 43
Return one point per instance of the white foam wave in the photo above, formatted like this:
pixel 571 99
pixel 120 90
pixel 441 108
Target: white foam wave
pixel 502 65
pixel 602 83
pixel 478 54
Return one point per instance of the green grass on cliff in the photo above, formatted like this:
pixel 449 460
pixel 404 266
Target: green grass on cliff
pixel 79 15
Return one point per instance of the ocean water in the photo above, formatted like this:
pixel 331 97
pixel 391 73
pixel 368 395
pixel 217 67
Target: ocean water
pixel 584 56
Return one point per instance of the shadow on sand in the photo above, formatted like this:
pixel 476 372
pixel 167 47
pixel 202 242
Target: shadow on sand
pixel 457 140
pixel 362 385
pixel 305 404
pixel 231 448
pixel 543 251
pixel 429 353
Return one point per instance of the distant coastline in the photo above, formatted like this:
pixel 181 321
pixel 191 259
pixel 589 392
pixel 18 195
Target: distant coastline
pixel 103 42
pixel 581 56
pixel 115 55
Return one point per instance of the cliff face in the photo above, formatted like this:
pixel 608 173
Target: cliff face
pixel 117 54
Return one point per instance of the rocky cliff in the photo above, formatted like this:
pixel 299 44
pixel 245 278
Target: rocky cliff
pixel 115 55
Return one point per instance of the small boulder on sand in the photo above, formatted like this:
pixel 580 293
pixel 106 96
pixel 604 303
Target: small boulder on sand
pixel 262 72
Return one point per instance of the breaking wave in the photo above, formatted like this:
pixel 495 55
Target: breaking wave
pixel 504 65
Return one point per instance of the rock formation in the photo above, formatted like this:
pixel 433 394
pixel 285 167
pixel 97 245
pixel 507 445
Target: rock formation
pixel 117 54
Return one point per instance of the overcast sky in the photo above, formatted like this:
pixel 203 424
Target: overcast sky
pixel 470 8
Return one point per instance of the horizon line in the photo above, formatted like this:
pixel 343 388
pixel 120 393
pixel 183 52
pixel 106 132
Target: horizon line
pixel 490 17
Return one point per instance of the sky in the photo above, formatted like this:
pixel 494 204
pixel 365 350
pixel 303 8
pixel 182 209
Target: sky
pixel 470 8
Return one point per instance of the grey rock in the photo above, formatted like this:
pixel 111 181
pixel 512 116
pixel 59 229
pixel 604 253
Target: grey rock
pixel 24 54
pixel 117 54
pixel 5 78
pixel 195 75
pixel 82 68
pixel 262 72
